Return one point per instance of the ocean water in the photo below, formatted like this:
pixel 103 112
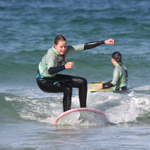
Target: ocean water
pixel 27 31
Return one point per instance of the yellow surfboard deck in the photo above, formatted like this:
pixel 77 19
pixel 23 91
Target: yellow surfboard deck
pixel 92 87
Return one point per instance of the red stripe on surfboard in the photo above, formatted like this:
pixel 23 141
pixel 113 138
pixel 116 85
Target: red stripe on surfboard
pixel 79 109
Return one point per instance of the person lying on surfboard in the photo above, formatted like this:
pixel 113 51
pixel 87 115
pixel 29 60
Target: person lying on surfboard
pixel 120 75
pixel 54 61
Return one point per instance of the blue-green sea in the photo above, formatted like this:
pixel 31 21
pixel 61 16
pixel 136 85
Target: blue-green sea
pixel 27 114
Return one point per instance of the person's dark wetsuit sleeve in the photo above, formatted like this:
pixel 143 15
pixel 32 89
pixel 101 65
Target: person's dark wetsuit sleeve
pixel 93 44
pixel 53 70
pixel 107 85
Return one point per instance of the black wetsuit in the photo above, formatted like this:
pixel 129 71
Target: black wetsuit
pixel 49 81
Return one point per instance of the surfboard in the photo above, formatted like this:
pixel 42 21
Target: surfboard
pixel 78 110
pixel 92 87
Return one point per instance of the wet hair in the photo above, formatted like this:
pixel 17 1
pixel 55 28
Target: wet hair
pixel 117 56
pixel 59 38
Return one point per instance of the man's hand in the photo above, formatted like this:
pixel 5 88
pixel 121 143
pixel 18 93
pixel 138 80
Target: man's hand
pixel 69 65
pixel 110 41
pixel 100 86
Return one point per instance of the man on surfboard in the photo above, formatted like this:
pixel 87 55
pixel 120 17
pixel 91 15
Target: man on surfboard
pixel 120 75
pixel 53 62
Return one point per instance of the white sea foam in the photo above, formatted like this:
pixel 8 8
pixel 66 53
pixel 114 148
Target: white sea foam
pixel 119 107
